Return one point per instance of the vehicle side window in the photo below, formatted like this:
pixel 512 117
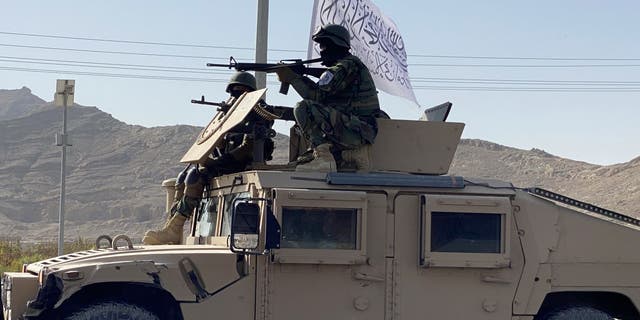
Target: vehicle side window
pixel 319 228
pixel 226 211
pixel 465 232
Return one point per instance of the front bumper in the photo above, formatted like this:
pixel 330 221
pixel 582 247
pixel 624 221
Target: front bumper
pixel 17 289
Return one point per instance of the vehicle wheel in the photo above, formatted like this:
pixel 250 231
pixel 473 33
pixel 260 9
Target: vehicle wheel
pixel 578 313
pixel 111 310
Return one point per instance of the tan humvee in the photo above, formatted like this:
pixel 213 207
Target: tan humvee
pixel 404 241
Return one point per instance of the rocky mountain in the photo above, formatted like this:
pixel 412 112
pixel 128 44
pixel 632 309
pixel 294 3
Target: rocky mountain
pixel 114 171
pixel 19 103
pixel 615 187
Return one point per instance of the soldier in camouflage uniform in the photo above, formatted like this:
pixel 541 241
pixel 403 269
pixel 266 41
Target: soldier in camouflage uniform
pixel 234 155
pixel 338 113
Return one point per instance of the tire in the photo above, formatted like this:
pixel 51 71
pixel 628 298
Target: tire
pixel 578 313
pixel 111 310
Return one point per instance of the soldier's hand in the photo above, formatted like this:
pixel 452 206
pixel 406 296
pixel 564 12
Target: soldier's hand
pixel 285 74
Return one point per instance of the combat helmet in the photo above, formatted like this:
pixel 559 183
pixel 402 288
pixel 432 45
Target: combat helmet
pixel 337 34
pixel 242 78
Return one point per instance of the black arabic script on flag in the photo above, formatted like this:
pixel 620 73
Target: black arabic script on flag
pixel 374 39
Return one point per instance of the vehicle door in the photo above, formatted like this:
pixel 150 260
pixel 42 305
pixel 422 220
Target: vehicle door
pixel 457 256
pixel 230 294
pixel 330 264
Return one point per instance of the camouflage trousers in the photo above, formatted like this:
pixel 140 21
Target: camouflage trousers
pixel 322 124
pixel 188 198
pixel 185 206
pixel 231 160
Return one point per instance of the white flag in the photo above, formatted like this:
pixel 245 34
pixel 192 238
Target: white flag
pixel 374 39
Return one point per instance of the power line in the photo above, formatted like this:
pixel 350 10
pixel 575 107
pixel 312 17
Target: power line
pixel 527 80
pixel 220 58
pixel 114 66
pixel 522 65
pixel 433 88
pixel 157 68
pixel 520 58
pixel 115 75
pixel 188 45
pixel 530 89
pixel 114 52
pixel 541 83
pixel 103 63
pixel 125 76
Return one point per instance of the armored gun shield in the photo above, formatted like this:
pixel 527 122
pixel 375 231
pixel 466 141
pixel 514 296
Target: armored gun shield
pixel 212 135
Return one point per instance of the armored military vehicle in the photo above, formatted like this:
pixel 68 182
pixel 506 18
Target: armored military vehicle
pixel 402 241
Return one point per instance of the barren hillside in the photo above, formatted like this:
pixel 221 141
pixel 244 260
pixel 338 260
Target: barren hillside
pixel 615 187
pixel 115 170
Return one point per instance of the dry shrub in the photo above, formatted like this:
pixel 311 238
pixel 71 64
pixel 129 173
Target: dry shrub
pixel 14 253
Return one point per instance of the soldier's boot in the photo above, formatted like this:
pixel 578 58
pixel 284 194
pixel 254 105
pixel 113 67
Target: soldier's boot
pixel 323 160
pixel 360 157
pixel 186 200
pixel 171 233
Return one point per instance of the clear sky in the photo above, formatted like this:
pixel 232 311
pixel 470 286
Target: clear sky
pixel 577 98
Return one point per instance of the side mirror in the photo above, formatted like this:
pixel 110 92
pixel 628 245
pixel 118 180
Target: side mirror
pixel 245 222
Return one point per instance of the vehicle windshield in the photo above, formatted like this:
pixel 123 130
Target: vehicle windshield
pixel 208 216
pixel 226 211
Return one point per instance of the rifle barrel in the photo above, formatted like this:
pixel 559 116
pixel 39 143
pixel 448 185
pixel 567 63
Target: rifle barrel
pixel 217 104
pixel 311 61
pixel 251 65
pixel 219 65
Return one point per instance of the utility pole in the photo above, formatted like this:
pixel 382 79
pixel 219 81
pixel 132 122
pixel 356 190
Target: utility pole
pixel 262 37
pixel 63 98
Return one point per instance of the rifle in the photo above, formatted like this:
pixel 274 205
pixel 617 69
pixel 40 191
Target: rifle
pixel 297 65
pixel 282 112
pixel 222 106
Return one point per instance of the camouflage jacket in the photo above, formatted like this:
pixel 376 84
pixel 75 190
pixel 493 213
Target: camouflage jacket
pixel 346 86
